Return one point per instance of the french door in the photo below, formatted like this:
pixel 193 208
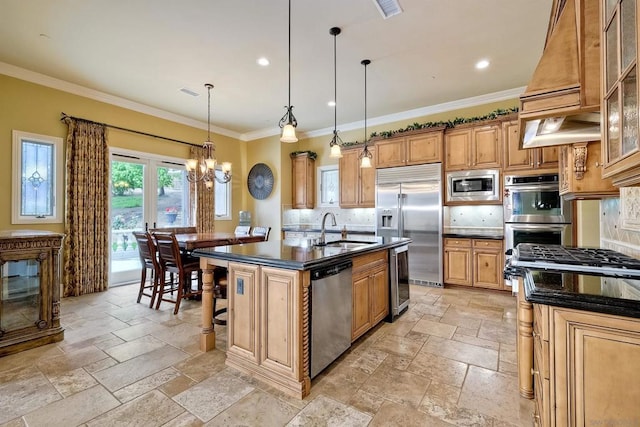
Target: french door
pixel 146 192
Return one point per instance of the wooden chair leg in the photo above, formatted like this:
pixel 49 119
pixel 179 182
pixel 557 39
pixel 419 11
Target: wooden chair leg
pixel 143 281
pixel 162 286
pixel 156 285
pixel 181 284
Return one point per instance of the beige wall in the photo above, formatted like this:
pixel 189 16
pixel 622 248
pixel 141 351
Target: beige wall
pixel 34 108
pixel 588 218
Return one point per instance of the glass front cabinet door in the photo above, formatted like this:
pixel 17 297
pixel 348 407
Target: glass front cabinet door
pixel 29 290
pixel 621 154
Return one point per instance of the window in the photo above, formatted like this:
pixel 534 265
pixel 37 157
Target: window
pixel 223 197
pixel 328 190
pixel 37 193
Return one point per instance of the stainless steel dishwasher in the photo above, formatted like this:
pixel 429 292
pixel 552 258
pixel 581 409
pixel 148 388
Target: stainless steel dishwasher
pixel 330 314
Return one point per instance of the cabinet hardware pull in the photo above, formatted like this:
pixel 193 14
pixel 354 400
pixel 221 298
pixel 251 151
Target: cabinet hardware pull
pixel 534 372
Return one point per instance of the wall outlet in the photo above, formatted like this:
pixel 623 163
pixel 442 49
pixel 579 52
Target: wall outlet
pixel 239 286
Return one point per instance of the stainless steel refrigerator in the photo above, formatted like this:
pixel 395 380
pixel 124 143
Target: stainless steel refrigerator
pixel 409 204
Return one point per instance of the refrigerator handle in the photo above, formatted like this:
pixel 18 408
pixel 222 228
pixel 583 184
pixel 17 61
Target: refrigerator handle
pixel 401 214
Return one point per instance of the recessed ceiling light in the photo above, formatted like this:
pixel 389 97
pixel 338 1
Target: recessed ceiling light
pixel 263 61
pixel 482 64
pixel 331 103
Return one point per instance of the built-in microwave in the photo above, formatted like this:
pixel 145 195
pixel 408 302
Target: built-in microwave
pixel 473 186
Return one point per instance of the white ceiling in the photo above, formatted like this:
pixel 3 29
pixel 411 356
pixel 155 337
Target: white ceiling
pixel 146 50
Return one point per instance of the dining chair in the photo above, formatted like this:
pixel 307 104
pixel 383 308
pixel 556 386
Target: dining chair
pixel 261 231
pixel 219 292
pixel 149 260
pixel 242 230
pixel 173 261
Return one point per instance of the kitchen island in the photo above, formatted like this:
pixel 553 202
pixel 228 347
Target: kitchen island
pixel 579 346
pixel 269 302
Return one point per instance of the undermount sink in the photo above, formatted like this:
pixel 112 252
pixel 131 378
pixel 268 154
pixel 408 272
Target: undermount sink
pixel 348 244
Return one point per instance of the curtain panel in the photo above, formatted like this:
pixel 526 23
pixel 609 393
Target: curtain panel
pixel 202 199
pixel 86 246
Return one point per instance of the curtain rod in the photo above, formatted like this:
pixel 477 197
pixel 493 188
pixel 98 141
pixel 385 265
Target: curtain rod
pixel 65 116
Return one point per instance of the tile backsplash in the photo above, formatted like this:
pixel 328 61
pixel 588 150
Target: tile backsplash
pixel 619 225
pixel 363 219
pixel 479 216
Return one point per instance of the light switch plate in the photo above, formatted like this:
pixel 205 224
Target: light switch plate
pixel 239 286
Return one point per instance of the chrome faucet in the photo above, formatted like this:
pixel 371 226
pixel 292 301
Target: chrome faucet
pixel 322 241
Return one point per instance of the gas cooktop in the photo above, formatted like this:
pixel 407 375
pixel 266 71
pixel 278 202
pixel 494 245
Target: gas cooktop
pixel 556 257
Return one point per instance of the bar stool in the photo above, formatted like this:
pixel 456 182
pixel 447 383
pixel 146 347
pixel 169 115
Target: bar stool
pixel 172 261
pixel 149 261
pixel 261 231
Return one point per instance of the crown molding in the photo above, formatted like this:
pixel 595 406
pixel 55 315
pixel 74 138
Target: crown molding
pixel 425 111
pixel 62 85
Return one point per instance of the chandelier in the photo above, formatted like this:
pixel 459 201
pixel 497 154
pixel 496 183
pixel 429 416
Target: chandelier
pixel 288 122
pixel 335 142
pixel 366 156
pixel 204 168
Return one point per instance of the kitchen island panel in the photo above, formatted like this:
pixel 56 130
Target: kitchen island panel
pixel 243 311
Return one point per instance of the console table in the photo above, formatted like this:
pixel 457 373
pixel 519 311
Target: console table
pixel 29 290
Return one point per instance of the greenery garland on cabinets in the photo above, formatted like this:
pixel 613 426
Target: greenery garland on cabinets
pixel 449 123
pixel 312 154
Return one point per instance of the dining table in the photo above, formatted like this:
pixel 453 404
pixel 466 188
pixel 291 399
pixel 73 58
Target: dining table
pixel 190 241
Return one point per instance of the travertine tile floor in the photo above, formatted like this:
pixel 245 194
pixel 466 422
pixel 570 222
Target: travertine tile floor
pixel 449 360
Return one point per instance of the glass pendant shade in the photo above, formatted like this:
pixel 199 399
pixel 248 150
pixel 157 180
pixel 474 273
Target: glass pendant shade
pixel 365 162
pixel 289 134
pixel 336 152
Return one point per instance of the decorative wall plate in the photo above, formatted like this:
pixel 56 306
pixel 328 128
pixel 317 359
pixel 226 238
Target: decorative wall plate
pixel 260 181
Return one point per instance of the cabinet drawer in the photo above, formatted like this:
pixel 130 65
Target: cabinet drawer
pixel 369 260
pixel 488 244
pixel 459 243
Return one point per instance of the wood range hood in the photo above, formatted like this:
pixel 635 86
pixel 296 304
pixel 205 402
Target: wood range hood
pixel 561 104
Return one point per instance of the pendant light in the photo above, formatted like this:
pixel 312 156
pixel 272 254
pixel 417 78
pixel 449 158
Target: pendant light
pixel 288 122
pixel 336 142
pixel 204 169
pixel 365 156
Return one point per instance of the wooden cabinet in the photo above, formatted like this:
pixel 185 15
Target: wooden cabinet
pixel 478 147
pixel 488 264
pixel 584 366
pixel 415 149
pixel 580 174
pixel 619 89
pixel 357 185
pixel 268 325
pixel 457 261
pixel 538 160
pixel 303 181
pixel 474 262
pixel 30 290
pixel 370 292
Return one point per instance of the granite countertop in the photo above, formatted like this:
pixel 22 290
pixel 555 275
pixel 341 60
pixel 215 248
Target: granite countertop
pixel 473 233
pixel 617 295
pixel 295 254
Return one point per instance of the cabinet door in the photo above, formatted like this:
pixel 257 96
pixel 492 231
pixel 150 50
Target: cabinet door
pixel 423 149
pixel 547 158
pixel 303 182
pixel 379 294
pixel 390 152
pixel 457 266
pixel 596 368
pixel 361 320
pixel 457 146
pixel 515 159
pixel 488 267
pixel 243 293
pixel 486 147
pixel 349 176
pixel 367 183
pixel 280 321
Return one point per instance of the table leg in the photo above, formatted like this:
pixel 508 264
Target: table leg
pixel 208 335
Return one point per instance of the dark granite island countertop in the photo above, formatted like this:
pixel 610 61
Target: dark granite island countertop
pixel 584 291
pixel 294 254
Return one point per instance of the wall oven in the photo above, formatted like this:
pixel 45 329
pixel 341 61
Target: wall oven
pixel 473 186
pixel 541 234
pixel 534 199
